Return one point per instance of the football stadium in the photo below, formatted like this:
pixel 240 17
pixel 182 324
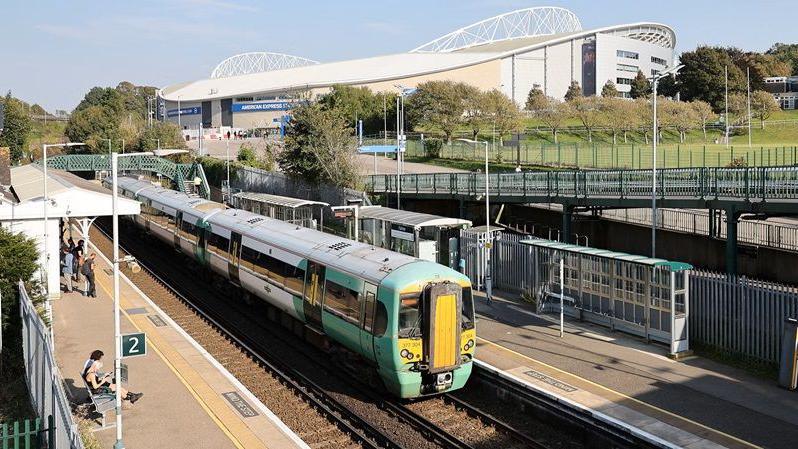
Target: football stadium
pixel 543 47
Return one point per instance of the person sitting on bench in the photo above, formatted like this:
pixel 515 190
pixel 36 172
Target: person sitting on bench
pixel 104 383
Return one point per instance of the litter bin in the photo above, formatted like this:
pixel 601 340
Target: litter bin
pixel 788 369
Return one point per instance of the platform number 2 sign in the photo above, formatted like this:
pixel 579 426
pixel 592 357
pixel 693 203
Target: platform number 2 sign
pixel 134 345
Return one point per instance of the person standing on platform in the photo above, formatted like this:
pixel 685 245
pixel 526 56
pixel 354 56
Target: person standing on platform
pixel 88 271
pixel 78 253
pixel 68 269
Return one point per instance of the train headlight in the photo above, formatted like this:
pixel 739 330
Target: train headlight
pixel 404 353
pixel 469 344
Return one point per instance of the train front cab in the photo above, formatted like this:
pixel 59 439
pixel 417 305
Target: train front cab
pixel 433 334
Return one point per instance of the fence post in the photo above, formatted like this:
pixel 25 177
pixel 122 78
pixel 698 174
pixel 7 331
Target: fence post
pixel 51 430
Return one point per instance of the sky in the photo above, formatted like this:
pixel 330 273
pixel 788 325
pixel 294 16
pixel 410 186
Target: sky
pixel 53 51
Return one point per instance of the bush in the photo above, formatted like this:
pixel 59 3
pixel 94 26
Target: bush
pixel 432 148
pixel 738 162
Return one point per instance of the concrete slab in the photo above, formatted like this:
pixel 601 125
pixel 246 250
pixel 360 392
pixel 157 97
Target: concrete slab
pixel 190 400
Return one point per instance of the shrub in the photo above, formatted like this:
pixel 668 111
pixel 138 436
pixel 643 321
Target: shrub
pixel 432 148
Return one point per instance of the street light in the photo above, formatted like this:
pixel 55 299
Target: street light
pixel 488 239
pixel 117 332
pixel 400 136
pixel 654 82
pixel 46 219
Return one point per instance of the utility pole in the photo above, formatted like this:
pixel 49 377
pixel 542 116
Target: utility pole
pixel 726 117
pixel 748 76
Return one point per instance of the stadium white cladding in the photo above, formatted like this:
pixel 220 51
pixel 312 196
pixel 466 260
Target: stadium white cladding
pixel 542 47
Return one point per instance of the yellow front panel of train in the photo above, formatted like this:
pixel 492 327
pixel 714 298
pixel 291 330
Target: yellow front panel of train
pixel 446 328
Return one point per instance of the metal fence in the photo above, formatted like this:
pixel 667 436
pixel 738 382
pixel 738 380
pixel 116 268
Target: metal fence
pixel 736 315
pixel 608 156
pixel 43 378
pixel 781 236
pixel 740 316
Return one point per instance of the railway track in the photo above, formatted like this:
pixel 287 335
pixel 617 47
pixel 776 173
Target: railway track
pixel 359 413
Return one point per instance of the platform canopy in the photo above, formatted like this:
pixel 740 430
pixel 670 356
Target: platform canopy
pixel 277 200
pixel 642 260
pixel 414 219
pixel 70 196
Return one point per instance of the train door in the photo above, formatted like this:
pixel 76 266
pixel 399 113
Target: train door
pixel 442 317
pixel 314 291
pixel 234 256
pixel 367 325
pixel 178 224
pixel 201 249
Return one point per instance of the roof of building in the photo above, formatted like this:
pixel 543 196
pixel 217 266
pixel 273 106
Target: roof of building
pixel 408 218
pixel 277 200
pixel 69 195
pixel 494 38
pixel 643 260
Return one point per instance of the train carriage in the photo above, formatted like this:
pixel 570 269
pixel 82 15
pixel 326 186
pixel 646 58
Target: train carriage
pixel 411 320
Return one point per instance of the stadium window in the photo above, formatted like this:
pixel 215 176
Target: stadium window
pixel 627 54
pixel 342 301
pixel 624 94
pixel 654 72
pixel 265 98
pixel 240 99
pixel 626 81
pixel 659 61
pixel 627 68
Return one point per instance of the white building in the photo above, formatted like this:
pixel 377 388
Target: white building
pixel 542 47
pixel 70 197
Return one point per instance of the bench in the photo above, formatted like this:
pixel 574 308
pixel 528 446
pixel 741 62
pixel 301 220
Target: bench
pixel 103 403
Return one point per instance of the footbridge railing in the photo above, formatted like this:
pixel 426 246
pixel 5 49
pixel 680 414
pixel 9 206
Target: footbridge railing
pixel 183 175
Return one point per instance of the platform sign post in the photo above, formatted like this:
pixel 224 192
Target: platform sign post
pixel 134 345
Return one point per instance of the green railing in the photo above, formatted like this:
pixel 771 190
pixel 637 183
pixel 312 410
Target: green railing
pixel 25 436
pixel 733 184
pixel 605 156
pixel 179 173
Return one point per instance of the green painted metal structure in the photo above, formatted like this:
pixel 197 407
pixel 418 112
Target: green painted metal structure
pixel 25 435
pixel 182 175
pixel 757 190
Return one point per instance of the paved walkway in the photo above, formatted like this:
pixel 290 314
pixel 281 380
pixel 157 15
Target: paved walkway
pixel 188 397
pixel 704 398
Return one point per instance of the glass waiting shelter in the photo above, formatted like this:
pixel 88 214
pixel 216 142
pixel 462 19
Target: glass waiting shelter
pixel 426 236
pixel 293 210
pixel 635 294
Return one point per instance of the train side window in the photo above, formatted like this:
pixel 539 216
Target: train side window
pixel 468 309
pixel 342 301
pixel 294 279
pixel 380 320
pixel 368 312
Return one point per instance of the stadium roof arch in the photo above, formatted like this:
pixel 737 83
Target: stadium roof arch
pixel 516 32
pixel 257 62
pixel 529 22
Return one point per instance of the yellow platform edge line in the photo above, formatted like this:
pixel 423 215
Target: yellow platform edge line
pixel 190 389
pixel 638 401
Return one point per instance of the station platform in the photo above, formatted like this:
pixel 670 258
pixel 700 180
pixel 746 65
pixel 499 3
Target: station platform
pixel 190 400
pixel 693 403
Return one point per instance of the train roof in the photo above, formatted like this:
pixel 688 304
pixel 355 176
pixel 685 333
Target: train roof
pixel 366 261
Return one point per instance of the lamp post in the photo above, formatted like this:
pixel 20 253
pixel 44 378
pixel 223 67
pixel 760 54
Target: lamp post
pixel 654 83
pixel 488 239
pixel 117 331
pixel 46 220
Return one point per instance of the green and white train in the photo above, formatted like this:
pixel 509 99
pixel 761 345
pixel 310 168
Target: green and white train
pixel 411 321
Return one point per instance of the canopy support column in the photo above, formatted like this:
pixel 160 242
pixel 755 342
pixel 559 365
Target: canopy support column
pixel 567 218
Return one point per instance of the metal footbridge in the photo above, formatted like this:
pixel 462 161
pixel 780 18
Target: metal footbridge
pixel 188 178
pixel 766 191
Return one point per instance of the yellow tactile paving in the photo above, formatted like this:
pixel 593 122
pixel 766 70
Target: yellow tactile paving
pixel 515 362
pixel 209 399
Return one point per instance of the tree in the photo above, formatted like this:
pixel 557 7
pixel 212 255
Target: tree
pixel 553 115
pixel 588 111
pixel 16 127
pixel 535 99
pixel 679 115
pixel 166 134
pixel 702 77
pixel 641 87
pixel 358 103
pixel 437 104
pixel 703 113
pixel 474 102
pixel 503 112
pixel 643 116
pixel 609 90
pixel 319 148
pixel 738 109
pixel 667 86
pixel 761 66
pixel 786 53
pixel 763 105
pixel 18 260
pixel 615 115
pixel 92 125
pixel 574 91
